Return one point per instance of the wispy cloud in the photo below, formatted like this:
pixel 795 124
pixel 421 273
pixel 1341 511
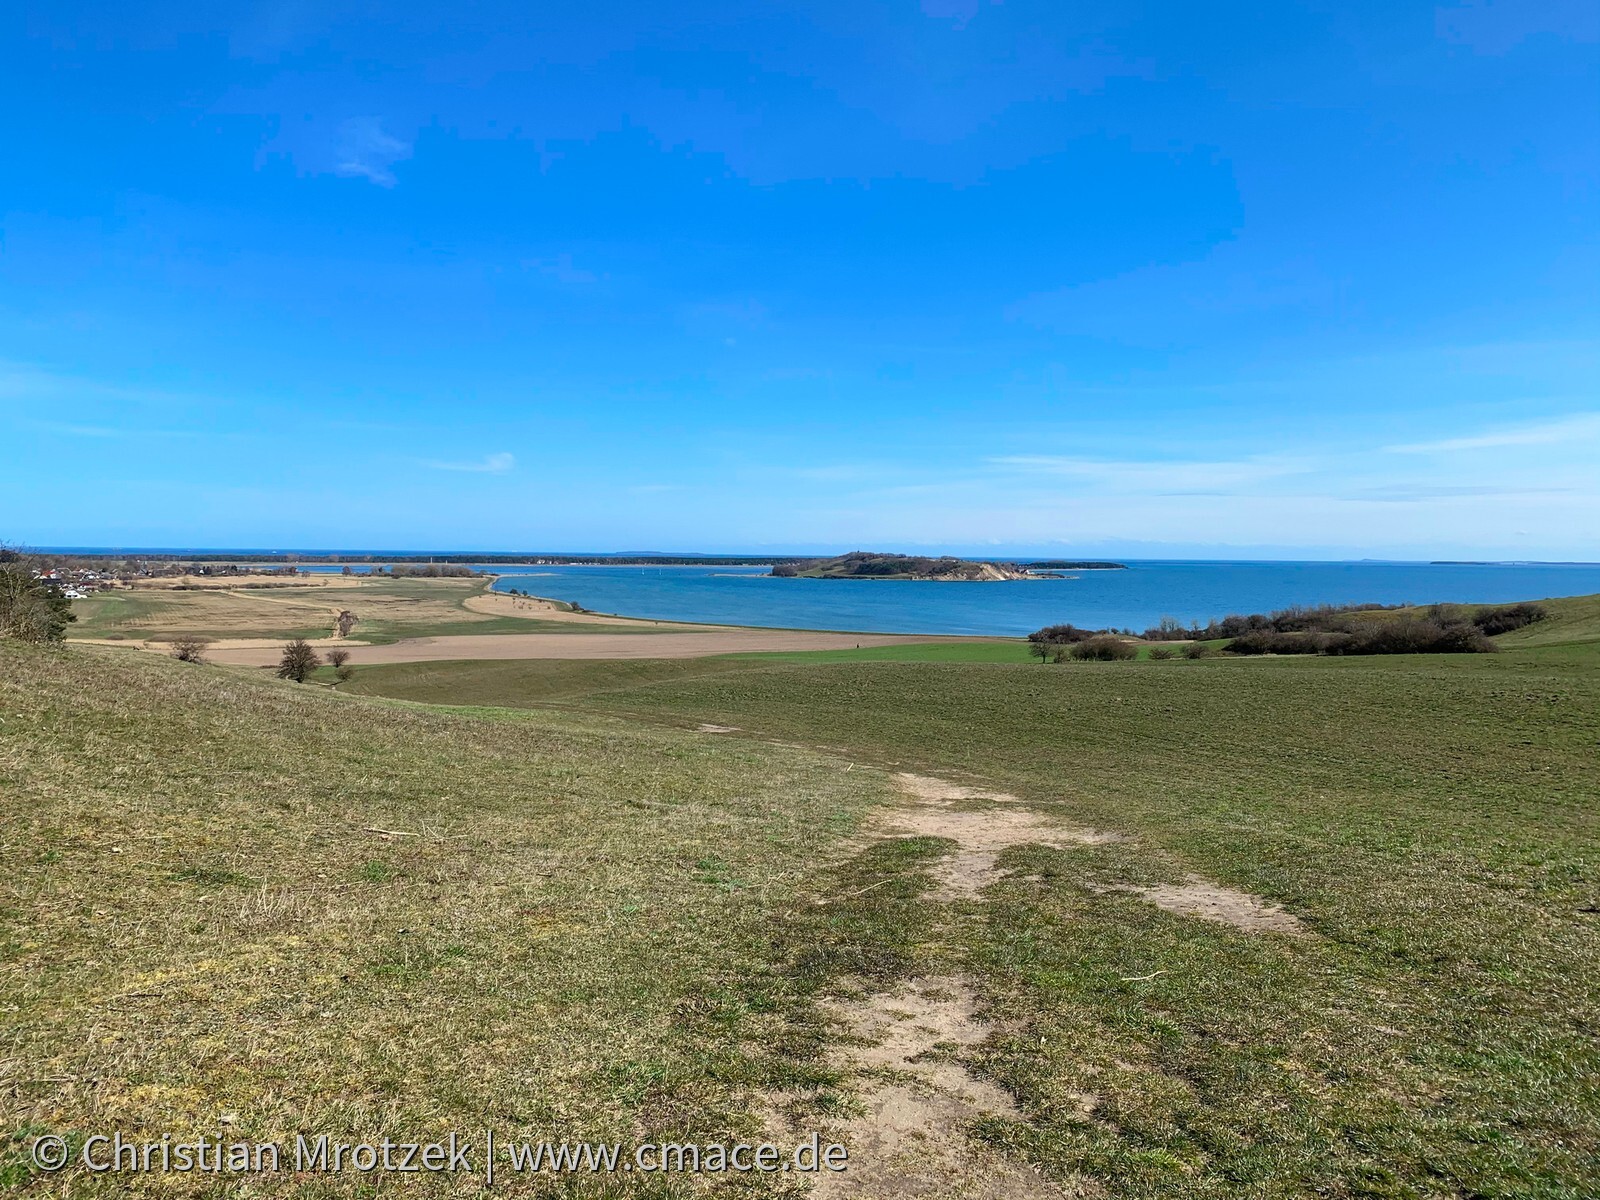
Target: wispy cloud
pixel 1585 426
pixel 563 270
pixel 365 151
pixel 118 432
pixel 493 464
pixel 1401 493
pixel 1155 476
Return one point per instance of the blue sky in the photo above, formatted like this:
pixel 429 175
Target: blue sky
pixel 1310 280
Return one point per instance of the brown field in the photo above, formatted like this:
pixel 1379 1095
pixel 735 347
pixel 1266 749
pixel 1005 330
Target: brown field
pixel 265 606
pixel 698 644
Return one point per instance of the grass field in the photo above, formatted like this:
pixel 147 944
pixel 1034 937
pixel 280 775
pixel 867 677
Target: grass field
pixel 1009 650
pixel 1433 819
pixel 387 610
pixel 605 922
pixel 574 927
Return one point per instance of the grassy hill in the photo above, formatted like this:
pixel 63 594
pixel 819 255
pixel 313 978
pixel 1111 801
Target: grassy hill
pixel 576 916
pixel 232 900
pixel 1432 818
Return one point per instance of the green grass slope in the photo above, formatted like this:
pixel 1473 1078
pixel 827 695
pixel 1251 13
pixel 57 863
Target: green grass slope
pixel 602 924
pixel 1435 822
pixel 233 902
pixel 1433 819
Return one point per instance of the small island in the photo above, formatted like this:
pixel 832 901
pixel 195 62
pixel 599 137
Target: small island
pixel 862 564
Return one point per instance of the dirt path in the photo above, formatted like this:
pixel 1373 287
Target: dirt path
pixel 903 1047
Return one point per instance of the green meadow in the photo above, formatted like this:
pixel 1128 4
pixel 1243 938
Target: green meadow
pixel 533 894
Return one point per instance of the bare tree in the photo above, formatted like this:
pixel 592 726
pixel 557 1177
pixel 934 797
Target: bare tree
pixel 338 657
pixel 298 661
pixel 347 622
pixel 190 650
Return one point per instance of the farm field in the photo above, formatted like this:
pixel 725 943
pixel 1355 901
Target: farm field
pixel 387 611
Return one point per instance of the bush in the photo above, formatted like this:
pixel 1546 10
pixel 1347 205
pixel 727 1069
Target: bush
pixel 1266 641
pixel 1415 635
pixel 1168 631
pixel 1505 618
pixel 1197 650
pixel 344 672
pixel 1162 653
pixel 1104 649
pixel 31 610
pixel 190 650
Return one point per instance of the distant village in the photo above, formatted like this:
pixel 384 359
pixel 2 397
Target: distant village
pixel 79 582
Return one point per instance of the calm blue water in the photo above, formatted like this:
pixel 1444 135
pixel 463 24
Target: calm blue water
pixel 1135 598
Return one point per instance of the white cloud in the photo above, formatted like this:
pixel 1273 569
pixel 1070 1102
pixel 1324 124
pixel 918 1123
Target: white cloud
pixel 365 151
pixel 492 464
pixel 1584 427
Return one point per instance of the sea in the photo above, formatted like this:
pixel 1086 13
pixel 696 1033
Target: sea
pixel 1136 597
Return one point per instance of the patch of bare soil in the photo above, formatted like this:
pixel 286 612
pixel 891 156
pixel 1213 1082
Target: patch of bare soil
pixel 708 727
pixel 980 834
pixel 912 1139
pixel 1197 897
pixel 926 787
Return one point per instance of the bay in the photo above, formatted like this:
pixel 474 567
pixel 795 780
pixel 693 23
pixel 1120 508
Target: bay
pixel 1135 598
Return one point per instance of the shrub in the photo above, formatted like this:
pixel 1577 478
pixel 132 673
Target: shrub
pixel 1505 618
pixel 1104 649
pixel 31 610
pixel 1162 653
pixel 1197 650
pixel 190 650
pixel 345 672
pixel 1167 631
pixel 1266 641
pixel 1414 635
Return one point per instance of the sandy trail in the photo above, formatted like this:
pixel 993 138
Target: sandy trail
pixel 903 1046
pixel 980 834
pixel 918 1101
